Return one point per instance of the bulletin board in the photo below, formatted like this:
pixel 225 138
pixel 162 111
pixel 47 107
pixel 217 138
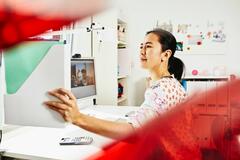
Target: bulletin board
pixel 206 37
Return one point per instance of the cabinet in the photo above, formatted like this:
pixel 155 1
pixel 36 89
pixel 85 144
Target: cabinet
pixel 217 103
pixel 112 58
pixel 211 112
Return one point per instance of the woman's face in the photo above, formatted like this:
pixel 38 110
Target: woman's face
pixel 150 52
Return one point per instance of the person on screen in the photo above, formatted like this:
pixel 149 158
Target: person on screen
pixel 79 78
pixel 86 80
pixel 74 82
pixel 165 91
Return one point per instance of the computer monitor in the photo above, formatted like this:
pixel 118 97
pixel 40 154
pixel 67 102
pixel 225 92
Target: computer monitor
pixel 83 83
pixel 32 69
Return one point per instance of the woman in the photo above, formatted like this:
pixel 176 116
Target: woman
pixel 156 55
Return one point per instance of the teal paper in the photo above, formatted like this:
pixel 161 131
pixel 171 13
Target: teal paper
pixel 21 61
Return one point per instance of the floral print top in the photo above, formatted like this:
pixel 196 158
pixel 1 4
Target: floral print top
pixel 161 96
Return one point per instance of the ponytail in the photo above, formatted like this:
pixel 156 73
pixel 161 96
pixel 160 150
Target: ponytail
pixel 176 67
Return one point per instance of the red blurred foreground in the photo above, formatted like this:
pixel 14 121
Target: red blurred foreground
pixel 206 126
pixel 21 19
pixel 15 28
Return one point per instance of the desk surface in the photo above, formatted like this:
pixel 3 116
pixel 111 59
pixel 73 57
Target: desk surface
pixel 43 143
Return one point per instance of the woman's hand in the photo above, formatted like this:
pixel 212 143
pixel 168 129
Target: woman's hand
pixel 67 106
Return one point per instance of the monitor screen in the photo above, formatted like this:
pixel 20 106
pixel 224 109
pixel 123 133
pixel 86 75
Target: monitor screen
pixel 83 82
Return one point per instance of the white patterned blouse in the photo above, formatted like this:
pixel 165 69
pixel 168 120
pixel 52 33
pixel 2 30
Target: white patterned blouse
pixel 161 96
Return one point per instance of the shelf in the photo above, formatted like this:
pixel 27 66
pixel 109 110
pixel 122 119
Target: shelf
pixel 121 44
pixel 122 76
pixel 198 53
pixel 121 99
pixel 121 21
pixel 121 34
pixel 206 77
pixel 122 50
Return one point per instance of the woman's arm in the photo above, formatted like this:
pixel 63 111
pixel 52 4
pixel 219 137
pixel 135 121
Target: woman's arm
pixel 103 127
pixel 67 107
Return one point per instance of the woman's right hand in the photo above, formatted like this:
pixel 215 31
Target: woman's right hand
pixel 66 106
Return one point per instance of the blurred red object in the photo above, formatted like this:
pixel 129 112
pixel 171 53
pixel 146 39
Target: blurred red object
pixel 15 28
pixel 21 19
pixel 178 135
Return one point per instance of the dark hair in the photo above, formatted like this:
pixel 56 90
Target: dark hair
pixel 83 71
pixel 168 41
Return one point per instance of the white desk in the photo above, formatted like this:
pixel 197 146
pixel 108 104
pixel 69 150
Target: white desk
pixel 38 143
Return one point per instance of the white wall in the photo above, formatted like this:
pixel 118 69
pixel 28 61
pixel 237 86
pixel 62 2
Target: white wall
pixel 143 14
pixel 105 53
